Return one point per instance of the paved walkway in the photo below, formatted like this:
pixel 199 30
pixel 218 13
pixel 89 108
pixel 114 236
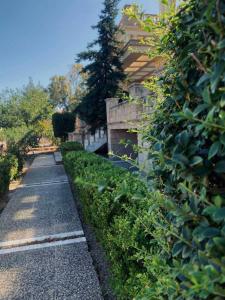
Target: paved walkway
pixel 43 251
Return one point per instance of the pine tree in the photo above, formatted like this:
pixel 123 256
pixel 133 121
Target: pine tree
pixel 104 70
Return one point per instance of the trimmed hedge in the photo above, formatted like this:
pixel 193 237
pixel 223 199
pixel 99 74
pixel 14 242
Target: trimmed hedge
pixel 70 146
pixel 8 171
pixel 62 124
pixel 128 222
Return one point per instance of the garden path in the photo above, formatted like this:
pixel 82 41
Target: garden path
pixel 43 251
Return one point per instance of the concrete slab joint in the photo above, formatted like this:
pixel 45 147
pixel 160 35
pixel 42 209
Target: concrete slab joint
pixel 41 240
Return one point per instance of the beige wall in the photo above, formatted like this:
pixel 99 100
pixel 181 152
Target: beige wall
pixel 121 115
pixel 121 119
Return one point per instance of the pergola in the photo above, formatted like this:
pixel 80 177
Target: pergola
pixel 137 64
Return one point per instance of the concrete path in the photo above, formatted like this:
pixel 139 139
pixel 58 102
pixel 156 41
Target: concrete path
pixel 43 251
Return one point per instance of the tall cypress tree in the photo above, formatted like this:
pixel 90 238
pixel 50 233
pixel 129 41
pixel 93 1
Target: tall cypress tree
pixel 105 68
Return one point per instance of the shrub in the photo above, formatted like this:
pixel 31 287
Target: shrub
pixel 14 149
pixel 13 164
pixel 70 146
pixel 129 223
pixel 187 134
pixel 4 175
pixel 62 124
pixel 8 171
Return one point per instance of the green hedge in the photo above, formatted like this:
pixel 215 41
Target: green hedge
pixel 128 222
pixel 8 171
pixel 187 136
pixel 70 146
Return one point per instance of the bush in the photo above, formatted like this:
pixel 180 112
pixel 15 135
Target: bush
pixel 62 124
pixel 70 146
pixel 128 222
pixel 13 149
pixel 187 135
pixel 8 171
pixel 13 164
pixel 4 175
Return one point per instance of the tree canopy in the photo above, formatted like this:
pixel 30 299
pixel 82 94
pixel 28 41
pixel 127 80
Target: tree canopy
pixel 66 91
pixel 59 91
pixel 24 110
pixel 104 69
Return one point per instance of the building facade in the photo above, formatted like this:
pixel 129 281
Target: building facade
pixel 124 118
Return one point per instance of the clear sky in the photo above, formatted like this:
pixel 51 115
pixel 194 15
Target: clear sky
pixel 40 38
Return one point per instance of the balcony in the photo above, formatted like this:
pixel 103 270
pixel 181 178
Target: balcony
pixel 123 114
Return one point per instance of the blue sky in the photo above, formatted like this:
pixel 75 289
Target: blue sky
pixel 40 38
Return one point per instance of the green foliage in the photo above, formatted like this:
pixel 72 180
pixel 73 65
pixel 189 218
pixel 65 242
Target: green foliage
pixel 77 79
pixel 24 119
pixel 25 107
pixel 4 175
pixel 187 134
pixel 104 70
pixel 13 166
pixel 67 90
pixel 34 105
pixel 70 146
pixel 130 224
pixel 62 124
pixel 8 171
pixel 9 109
pixel 22 113
pixel 60 91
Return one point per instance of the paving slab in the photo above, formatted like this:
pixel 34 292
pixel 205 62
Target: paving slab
pixel 58 157
pixel 44 174
pixel 56 273
pixel 43 160
pixel 39 210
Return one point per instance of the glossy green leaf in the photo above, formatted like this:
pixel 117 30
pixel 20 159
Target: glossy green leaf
pixel 184 138
pixel 220 167
pixel 222 139
pixel 200 108
pixel 215 77
pixel 177 248
pixel 221 44
pixel 216 213
pixel 196 160
pixel 202 79
pixel 213 150
pixel 201 233
pixel 220 243
pixel 187 251
pixel 180 158
pixel 218 200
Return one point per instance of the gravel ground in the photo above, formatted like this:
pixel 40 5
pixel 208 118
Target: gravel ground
pixel 45 271
pixel 56 273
